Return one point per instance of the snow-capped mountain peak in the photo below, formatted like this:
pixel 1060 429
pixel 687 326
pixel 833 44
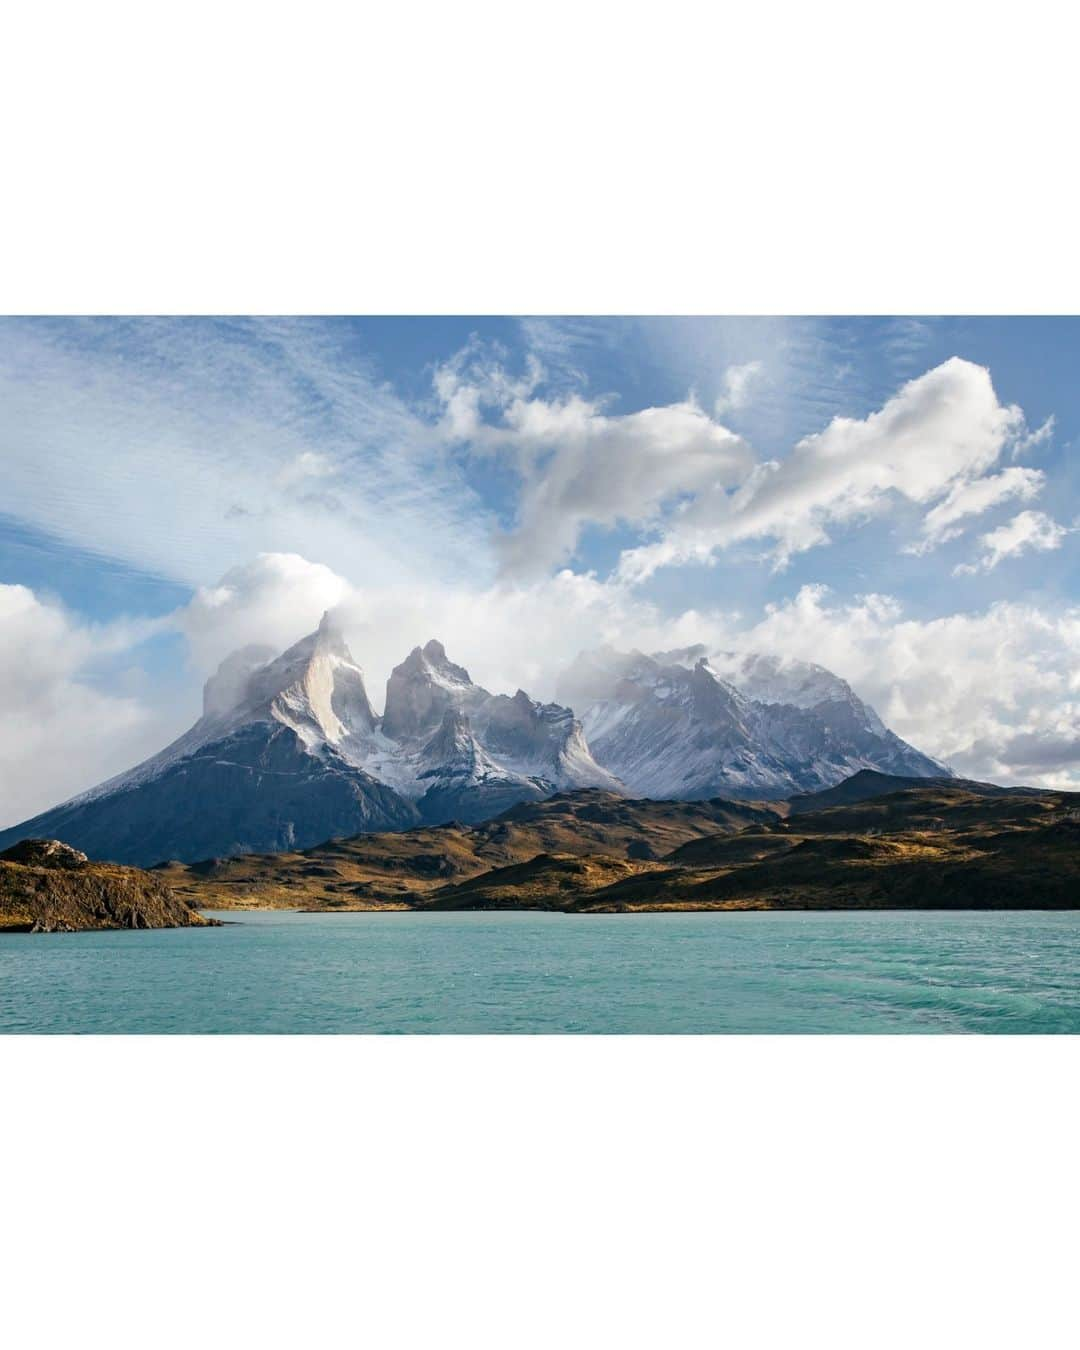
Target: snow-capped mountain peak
pixel 315 687
pixel 422 688
pixel 530 743
pixel 541 739
pixel 773 679
pixel 686 724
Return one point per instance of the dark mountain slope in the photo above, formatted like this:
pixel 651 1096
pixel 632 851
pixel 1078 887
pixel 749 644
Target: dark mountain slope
pixel 257 790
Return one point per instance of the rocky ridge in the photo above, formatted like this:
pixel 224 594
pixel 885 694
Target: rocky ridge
pixel 48 887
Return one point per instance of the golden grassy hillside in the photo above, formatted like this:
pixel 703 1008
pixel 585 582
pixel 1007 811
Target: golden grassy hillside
pixel 377 871
pixel 937 846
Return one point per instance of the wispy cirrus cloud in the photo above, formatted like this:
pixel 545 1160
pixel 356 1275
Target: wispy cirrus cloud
pixel 738 382
pixel 1033 440
pixel 182 447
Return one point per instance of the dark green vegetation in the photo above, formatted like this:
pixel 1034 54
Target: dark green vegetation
pixel 944 844
pixel 47 887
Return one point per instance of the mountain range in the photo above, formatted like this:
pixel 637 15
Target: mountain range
pixel 289 751
pixel 685 725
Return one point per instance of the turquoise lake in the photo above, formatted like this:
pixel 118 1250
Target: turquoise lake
pixel 524 973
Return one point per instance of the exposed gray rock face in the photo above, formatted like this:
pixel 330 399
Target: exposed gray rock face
pixel 472 753
pixel 270 765
pixel 422 689
pixel 289 753
pixel 463 782
pixel 673 726
pixel 543 740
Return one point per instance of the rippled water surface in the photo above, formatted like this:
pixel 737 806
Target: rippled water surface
pixel 884 972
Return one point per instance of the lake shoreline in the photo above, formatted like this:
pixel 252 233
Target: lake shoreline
pixel 519 972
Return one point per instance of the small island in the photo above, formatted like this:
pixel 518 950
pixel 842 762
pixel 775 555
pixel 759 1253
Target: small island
pixel 48 887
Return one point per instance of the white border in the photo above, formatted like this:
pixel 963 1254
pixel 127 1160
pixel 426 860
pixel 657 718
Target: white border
pixel 578 157
pixel 583 157
pixel 530 1192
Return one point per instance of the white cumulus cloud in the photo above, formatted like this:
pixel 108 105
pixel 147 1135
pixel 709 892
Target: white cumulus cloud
pixel 578 464
pixel 1028 532
pixel 59 731
pixel 944 427
pixel 996 694
pixel 973 497
pixel 274 600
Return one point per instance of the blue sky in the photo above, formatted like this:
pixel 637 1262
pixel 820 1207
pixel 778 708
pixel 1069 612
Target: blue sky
pixel 813 370
pixel 895 497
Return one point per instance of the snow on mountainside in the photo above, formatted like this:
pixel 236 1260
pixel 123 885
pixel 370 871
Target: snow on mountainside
pixel 507 747
pixel 271 764
pixel 802 684
pixel 315 688
pixel 679 725
pixel 463 782
pixel 289 752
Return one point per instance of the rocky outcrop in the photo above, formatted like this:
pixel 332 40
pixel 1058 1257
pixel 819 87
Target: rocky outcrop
pixel 48 887
pixel 45 853
pixel 422 689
